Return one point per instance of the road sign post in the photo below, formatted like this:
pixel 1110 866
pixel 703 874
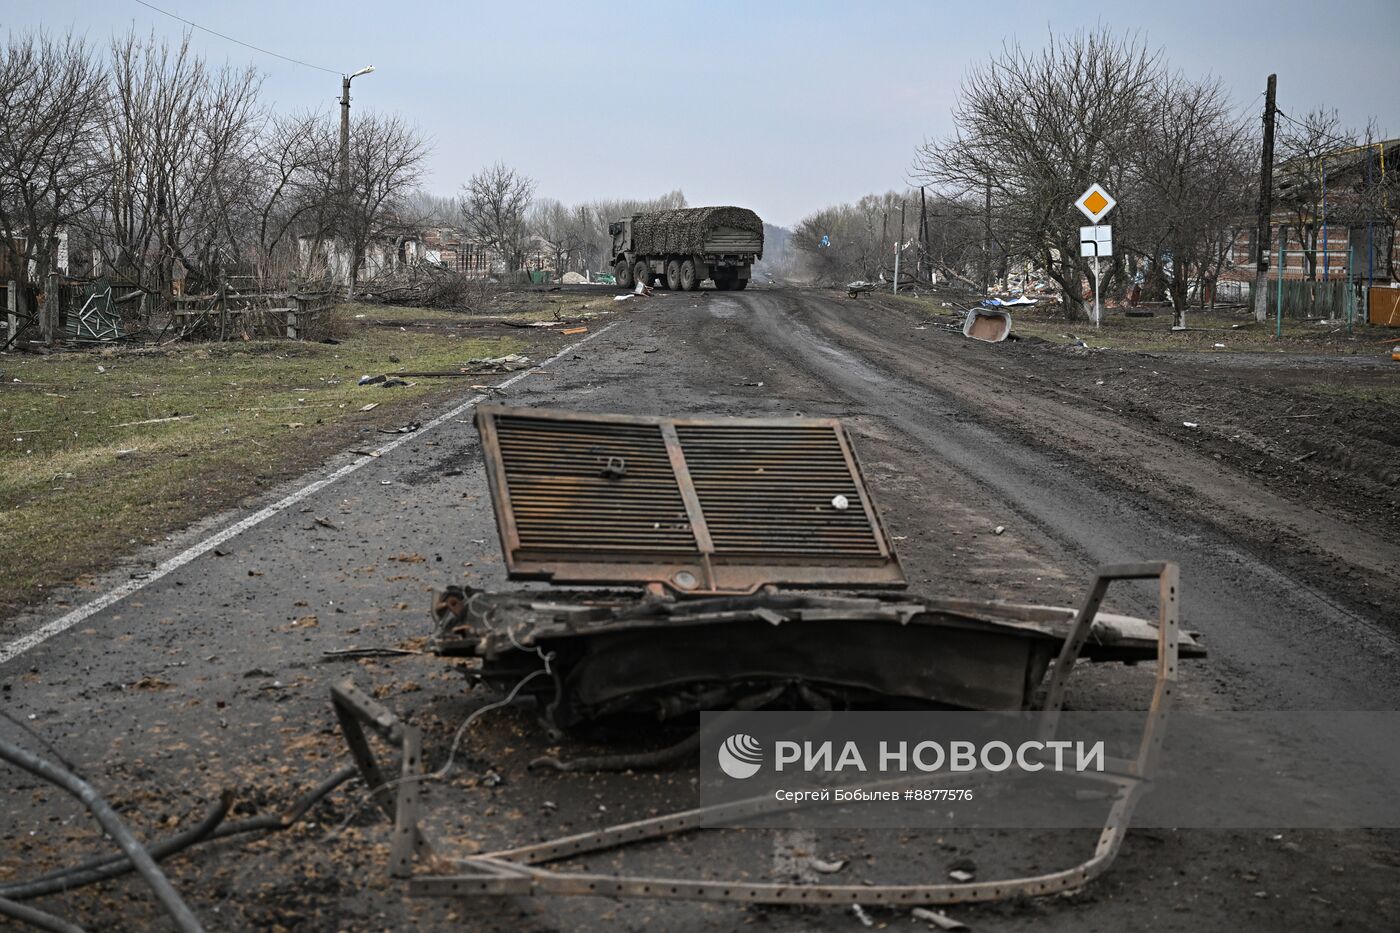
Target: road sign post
pixel 1096 240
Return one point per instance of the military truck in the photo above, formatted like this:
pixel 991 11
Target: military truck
pixel 687 246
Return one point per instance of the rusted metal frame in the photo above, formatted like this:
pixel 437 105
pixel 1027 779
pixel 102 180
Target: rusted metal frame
pixel 509 873
pixel 872 515
pixel 349 705
pixel 739 579
pixel 660 566
pixel 1168 642
pixel 492 410
pixel 500 873
pixel 496 482
pixel 700 817
pixel 355 710
pixel 696 515
pixel 407 837
pixel 1164 686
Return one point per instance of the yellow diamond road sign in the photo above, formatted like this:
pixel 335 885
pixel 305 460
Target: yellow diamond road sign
pixel 1095 203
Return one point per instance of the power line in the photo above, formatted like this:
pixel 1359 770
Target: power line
pixel 1345 143
pixel 246 45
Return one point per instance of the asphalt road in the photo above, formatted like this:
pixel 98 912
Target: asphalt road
pixel 215 674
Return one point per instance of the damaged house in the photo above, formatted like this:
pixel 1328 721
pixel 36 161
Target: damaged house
pixel 1334 220
pixel 332 260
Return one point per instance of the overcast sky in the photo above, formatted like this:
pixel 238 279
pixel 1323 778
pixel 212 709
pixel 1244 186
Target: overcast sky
pixel 782 107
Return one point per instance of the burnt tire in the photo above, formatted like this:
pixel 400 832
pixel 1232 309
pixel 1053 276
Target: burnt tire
pixel 623 273
pixel 690 280
pixel 673 275
pixel 641 272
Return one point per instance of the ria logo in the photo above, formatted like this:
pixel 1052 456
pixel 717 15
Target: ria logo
pixel 740 756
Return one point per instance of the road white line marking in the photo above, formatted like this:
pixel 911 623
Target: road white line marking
pixel 42 634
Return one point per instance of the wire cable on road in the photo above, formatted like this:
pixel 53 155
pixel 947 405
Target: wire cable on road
pixel 246 45
pixel 446 769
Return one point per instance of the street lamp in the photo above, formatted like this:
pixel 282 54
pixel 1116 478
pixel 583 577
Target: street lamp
pixel 345 125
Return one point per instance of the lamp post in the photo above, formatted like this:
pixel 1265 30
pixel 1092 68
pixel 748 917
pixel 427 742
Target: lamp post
pixel 345 125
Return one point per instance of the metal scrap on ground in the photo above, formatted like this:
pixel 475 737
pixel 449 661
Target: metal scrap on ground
pixel 708 519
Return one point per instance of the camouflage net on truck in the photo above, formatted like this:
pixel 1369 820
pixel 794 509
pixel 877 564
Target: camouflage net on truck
pixel 684 230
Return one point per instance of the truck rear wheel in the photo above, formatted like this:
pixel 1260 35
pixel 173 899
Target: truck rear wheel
pixel 741 284
pixel 623 273
pixel 673 275
pixel 723 282
pixel 641 272
pixel 689 281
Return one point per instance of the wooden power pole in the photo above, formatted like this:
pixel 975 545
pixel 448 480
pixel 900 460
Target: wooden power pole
pixel 344 134
pixel 987 238
pixel 1262 235
pixel 925 261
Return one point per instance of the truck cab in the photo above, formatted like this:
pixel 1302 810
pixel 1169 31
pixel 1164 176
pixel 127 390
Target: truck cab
pixel 621 231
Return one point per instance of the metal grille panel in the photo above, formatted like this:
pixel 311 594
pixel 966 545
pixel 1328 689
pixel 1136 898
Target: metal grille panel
pixel 769 492
pixel 700 505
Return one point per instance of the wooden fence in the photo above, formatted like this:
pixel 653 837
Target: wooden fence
pixel 228 315
pixel 1303 299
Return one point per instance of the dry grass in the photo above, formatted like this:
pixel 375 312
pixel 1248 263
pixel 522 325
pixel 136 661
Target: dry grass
pixel 83 480
pixel 1221 331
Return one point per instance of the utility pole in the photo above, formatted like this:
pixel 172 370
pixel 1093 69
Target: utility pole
pixel 345 126
pixel 345 133
pixel 924 264
pixel 1266 208
pixel 987 237
pixel 898 247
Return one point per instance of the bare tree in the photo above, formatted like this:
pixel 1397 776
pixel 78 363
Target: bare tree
pixel 179 138
pixel 1191 168
pixel 386 169
pixel 51 99
pixel 494 202
pixel 565 229
pixel 857 241
pixel 1038 128
pixel 1304 148
pixel 291 190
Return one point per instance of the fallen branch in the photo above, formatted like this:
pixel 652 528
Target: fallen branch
pixel 132 424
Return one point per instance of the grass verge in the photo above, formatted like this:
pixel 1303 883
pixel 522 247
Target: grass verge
pixel 106 451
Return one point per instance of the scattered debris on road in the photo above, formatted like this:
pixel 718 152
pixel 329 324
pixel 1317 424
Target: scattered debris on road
pixel 709 625
pixel 498 364
pixel 938 918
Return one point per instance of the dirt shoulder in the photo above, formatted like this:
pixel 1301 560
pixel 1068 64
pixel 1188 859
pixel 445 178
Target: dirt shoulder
pixel 1292 451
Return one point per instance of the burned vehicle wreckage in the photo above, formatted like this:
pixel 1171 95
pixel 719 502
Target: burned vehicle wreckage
pixel 731 564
